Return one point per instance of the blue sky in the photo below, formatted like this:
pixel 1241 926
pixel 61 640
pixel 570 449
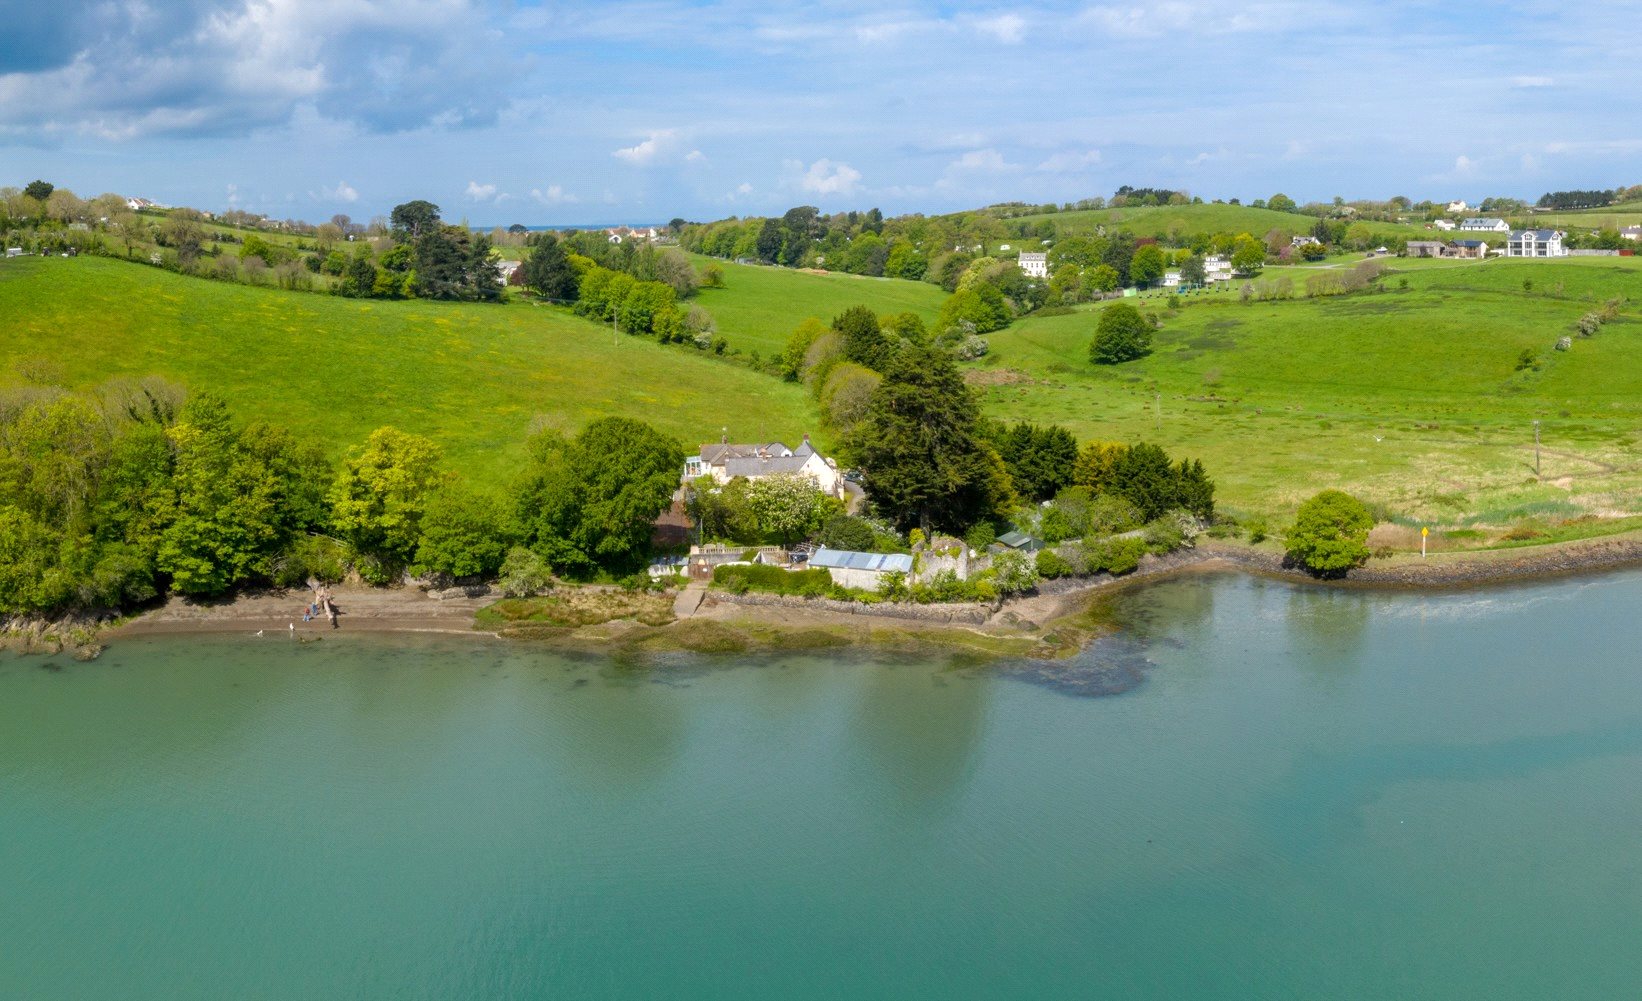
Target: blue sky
pixel 559 113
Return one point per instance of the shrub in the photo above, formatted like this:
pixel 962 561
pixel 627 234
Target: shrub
pixel 740 578
pixel 1258 530
pixel 892 586
pixel 1164 535
pixel 315 556
pixel 1014 573
pixel 1052 565
pixel 524 574
pixel 980 535
pixel 1330 534
pixel 845 532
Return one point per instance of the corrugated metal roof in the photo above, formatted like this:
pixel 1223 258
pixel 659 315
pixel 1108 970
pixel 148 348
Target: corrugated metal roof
pixel 844 559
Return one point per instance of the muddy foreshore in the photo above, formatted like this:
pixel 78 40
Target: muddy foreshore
pixel 1050 623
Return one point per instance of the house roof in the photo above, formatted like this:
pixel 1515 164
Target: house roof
pixel 720 452
pixel 1470 243
pixel 1537 234
pixel 753 466
pixel 1016 539
pixel 1482 221
pixel 844 559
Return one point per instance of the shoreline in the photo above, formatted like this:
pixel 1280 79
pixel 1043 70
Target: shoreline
pixel 1025 621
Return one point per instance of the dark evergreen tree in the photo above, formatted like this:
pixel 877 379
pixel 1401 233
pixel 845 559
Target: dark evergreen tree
pixel 863 340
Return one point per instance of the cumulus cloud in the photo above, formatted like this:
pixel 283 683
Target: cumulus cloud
pixel 553 194
pixel 477 192
pixel 824 177
pixel 657 145
pixel 121 71
pixel 984 161
pixel 1464 165
pixel 744 188
pixel 695 156
pixel 343 192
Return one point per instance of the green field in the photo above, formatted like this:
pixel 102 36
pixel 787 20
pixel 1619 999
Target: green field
pixel 472 377
pixel 1179 220
pixel 1610 216
pixel 1409 397
pixel 759 306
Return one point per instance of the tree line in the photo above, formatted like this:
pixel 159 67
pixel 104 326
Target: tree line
pixel 112 499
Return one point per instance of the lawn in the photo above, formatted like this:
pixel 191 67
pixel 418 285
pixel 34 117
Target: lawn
pixel 1410 397
pixel 759 306
pixel 472 377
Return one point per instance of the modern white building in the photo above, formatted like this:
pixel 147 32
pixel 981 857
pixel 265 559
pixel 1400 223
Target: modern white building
pixel 1535 243
pixel 1485 224
pixel 1458 207
pixel 1446 225
pixel 1035 265
pixel 1217 268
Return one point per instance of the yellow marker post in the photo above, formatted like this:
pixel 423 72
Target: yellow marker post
pixel 1424 531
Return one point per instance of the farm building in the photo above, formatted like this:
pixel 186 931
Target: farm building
pixel 1425 248
pixel 1035 265
pixel 1485 224
pixel 1631 233
pixel 863 570
pixel 1467 248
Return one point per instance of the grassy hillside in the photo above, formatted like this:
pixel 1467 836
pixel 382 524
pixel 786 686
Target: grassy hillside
pixel 1614 216
pixel 1159 220
pixel 1411 397
pixel 471 377
pixel 759 306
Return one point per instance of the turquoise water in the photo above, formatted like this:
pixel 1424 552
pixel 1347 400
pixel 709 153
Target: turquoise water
pixel 1308 794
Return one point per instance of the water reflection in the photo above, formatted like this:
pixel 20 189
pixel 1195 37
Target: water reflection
pixel 920 728
pixel 1327 629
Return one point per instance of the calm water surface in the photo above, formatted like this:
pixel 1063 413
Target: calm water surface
pixel 1310 794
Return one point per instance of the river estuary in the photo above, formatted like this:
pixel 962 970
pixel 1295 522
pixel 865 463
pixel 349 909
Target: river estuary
pixel 1297 793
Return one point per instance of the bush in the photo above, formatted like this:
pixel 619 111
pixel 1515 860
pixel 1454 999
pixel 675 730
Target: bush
pixel 845 532
pixel 1258 530
pixel 1330 534
pixel 739 578
pixel 312 556
pixel 525 574
pixel 980 535
pixel 1164 535
pixel 1052 565
pixel 1115 556
pixel 1014 573
pixel 892 586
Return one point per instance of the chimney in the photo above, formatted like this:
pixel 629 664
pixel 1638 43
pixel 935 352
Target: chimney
pixel 806 437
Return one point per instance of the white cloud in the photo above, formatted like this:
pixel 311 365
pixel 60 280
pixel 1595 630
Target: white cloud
pixel 695 156
pixel 477 192
pixel 343 192
pixel 553 195
pixel 1068 162
pixel 233 195
pixel 984 160
pixel 1006 28
pixel 824 177
pixel 658 143
pixel 1464 165
pixel 744 188
pixel 1532 81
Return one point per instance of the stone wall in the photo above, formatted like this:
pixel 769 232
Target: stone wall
pixel 955 614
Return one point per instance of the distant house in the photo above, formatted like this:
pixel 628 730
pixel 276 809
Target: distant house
pixel 1216 269
pixel 725 461
pixel 138 204
pixel 1485 224
pixel 1467 248
pixel 1535 243
pixel 1171 279
pixel 505 270
pixel 1631 232
pixel 1457 207
pixel 863 570
pixel 1446 225
pixel 1425 248
pixel 1035 265
pixel 1301 241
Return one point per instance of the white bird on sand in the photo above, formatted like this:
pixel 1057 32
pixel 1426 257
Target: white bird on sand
pixel 292 627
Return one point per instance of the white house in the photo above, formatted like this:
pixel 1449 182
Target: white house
pixel 725 461
pixel 1301 241
pixel 1535 243
pixel 505 269
pixel 1631 232
pixel 1485 224
pixel 1035 265
pixel 1446 225
pixel 1171 279
pixel 1216 269
pixel 1458 207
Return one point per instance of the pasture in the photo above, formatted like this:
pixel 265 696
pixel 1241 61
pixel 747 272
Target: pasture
pixel 1413 398
pixel 473 378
